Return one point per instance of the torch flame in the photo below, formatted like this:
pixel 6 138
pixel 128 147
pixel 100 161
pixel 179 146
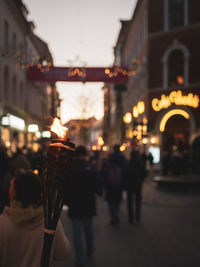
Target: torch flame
pixel 57 128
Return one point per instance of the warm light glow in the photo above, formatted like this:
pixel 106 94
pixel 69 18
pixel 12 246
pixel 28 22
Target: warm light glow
pixel 94 148
pixel 140 107
pixel 144 141
pixel 46 134
pixel 122 148
pixel 177 98
pixel 170 114
pixel 100 141
pixel 127 118
pixel 7 143
pixel 135 133
pixel 144 120
pixel 107 71
pixel 33 128
pixel 180 79
pixel 135 112
pixel 144 129
pixel 57 128
pixel 36 171
pixel 105 148
pixel 38 134
pixel 153 140
pixel 129 133
pixel 139 136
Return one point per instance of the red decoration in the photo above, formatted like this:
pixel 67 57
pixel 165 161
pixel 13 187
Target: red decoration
pixel 69 74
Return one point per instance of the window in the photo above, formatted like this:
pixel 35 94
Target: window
pixel 6 83
pixel 14 89
pixel 14 43
pixel 176 68
pixel 175 65
pixel 175 13
pixel 6 36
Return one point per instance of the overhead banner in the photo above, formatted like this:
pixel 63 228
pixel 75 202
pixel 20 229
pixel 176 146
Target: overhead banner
pixel 78 74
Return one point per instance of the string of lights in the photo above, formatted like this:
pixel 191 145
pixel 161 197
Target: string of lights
pixel 44 64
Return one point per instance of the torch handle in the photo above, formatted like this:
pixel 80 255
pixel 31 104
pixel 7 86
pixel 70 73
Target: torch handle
pixel 46 254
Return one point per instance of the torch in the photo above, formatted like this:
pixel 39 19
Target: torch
pixel 58 163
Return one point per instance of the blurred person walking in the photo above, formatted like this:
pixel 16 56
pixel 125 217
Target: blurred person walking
pixel 18 162
pixel 22 226
pixel 113 181
pixel 135 174
pixel 4 169
pixel 80 196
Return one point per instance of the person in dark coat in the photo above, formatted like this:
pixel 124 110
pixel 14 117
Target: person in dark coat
pixel 5 163
pixel 113 182
pixel 134 175
pixel 80 196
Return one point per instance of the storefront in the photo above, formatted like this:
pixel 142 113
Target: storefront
pixel 174 119
pixel 12 132
pixel 18 133
pixel 165 121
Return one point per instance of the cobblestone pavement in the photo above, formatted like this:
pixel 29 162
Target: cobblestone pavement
pixel 168 235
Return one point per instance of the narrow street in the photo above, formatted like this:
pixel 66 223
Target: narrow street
pixel 168 235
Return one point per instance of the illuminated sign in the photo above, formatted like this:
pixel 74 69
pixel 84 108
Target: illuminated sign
pixel 14 122
pixel 127 118
pixel 46 134
pixel 33 128
pixel 138 109
pixel 177 98
pixel 171 113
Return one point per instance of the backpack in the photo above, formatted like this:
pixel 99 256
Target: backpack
pixel 114 175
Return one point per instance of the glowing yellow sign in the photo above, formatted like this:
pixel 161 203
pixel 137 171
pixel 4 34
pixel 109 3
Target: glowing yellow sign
pixel 138 109
pixel 127 118
pixel 177 98
pixel 170 114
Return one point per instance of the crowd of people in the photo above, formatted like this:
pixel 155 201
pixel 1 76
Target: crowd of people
pixel 22 218
pixel 91 175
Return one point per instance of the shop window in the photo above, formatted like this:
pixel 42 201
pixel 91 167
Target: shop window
pixel 6 83
pixel 175 13
pixel 176 68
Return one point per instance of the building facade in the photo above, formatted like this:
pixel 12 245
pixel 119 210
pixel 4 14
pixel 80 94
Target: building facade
pixel 24 107
pixel 161 104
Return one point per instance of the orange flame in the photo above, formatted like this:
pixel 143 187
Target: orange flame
pixel 57 128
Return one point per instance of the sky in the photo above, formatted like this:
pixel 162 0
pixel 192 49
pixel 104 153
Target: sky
pixel 80 32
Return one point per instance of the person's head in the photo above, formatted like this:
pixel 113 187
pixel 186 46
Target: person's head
pixel 26 188
pixel 116 148
pixel 81 152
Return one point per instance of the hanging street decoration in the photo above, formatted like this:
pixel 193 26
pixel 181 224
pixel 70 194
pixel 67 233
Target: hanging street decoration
pixel 40 69
pixel 78 74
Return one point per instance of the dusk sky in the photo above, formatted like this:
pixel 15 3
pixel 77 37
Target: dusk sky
pixel 80 32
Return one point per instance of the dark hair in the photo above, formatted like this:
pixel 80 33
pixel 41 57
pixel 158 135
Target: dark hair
pixel 28 189
pixel 81 151
pixel 116 148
